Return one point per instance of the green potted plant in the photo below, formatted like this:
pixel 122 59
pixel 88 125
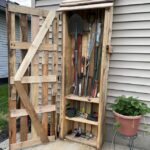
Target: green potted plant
pixel 128 112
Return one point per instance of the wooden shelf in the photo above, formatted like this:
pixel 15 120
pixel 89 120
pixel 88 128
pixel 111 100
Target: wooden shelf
pixel 90 142
pixel 82 120
pixel 83 98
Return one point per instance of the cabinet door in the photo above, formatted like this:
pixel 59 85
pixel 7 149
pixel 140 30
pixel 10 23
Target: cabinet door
pixel 32 79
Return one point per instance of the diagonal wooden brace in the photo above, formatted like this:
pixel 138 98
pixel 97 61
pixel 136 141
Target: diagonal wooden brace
pixel 34 46
pixel 30 109
pixel 21 71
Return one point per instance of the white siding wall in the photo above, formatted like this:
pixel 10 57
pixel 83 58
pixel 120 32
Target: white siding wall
pixel 3 46
pixel 129 72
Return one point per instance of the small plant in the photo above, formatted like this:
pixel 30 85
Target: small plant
pixel 3 121
pixel 130 106
pixel 3 106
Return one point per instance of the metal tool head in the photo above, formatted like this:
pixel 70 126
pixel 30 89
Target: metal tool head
pixel 76 24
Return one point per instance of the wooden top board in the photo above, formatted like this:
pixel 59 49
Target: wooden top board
pixel 68 5
pixel 83 2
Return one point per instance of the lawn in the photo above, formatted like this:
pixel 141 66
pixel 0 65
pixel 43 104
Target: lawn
pixel 3 105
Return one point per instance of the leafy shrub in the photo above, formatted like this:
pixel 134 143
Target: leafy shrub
pixel 130 106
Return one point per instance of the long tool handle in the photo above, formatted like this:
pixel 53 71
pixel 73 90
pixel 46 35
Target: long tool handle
pixel 76 62
pixel 87 75
pixel 76 73
pixel 97 61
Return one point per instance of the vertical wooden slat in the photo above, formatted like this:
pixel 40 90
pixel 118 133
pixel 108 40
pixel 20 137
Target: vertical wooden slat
pixel 55 69
pixel 63 101
pixel 104 74
pixel 12 70
pixel 45 85
pixel 24 38
pixel 66 78
pixel 34 69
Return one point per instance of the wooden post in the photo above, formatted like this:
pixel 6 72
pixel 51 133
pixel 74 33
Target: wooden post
pixel 54 89
pixel 45 58
pixel 63 103
pixel 24 38
pixel 34 69
pixel 12 70
pixel 104 74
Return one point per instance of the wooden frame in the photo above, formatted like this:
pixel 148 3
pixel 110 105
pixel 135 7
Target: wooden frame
pixel 85 7
pixel 67 124
pixel 24 87
pixel 27 10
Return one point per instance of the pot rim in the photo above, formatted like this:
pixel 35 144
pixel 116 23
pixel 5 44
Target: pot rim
pixel 127 117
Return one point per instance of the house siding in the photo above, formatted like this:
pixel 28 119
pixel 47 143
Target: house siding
pixel 3 46
pixel 129 72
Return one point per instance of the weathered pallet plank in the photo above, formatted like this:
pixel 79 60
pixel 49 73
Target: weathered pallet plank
pixel 27 10
pixel 45 85
pixel 93 6
pixel 36 79
pixel 26 45
pixel 34 70
pixel 38 110
pixel 82 2
pixel 26 144
pixel 104 73
pixel 63 102
pixel 24 38
pixel 12 71
pixel 53 125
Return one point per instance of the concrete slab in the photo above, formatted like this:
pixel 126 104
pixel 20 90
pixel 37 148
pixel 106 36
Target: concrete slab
pixel 68 145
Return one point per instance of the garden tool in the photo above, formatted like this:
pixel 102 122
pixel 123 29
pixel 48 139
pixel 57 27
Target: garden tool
pixel 82 65
pixel 76 28
pixel 97 60
pixel 70 111
pixel 89 51
pixel 79 65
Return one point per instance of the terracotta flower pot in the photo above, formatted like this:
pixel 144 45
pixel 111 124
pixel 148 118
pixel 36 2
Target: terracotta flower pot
pixel 128 124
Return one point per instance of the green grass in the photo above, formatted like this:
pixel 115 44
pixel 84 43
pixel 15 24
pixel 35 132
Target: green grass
pixel 3 105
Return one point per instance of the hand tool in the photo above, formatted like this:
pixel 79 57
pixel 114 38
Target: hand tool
pixel 97 60
pixel 89 51
pixel 76 28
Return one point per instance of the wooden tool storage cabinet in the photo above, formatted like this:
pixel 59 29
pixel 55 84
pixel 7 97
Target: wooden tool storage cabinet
pixel 86 104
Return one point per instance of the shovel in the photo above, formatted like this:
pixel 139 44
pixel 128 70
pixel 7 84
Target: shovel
pixel 76 28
